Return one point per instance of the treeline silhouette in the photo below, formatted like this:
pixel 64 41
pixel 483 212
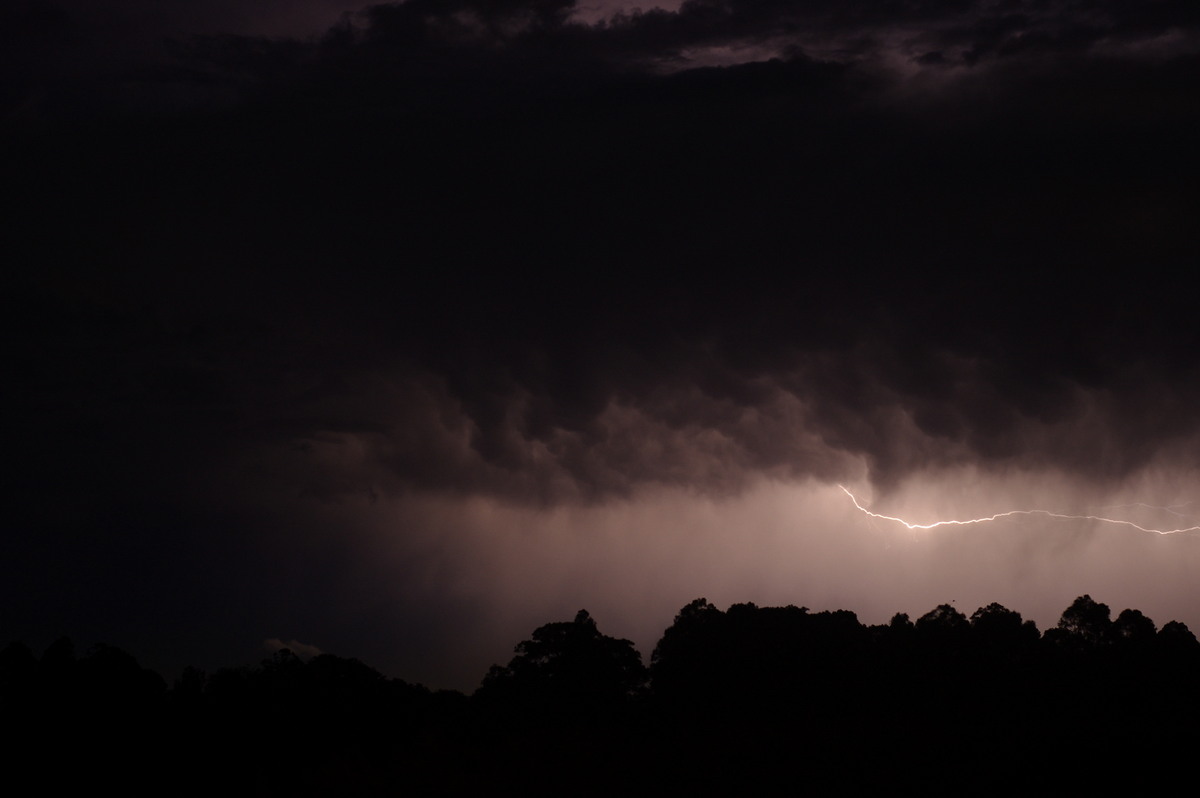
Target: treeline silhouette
pixel 750 700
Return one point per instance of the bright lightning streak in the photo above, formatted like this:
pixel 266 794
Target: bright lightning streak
pixel 997 516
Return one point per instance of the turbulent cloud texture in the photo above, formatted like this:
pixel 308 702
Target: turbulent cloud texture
pixel 462 288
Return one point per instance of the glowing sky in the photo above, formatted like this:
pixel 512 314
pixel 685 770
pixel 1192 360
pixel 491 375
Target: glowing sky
pixel 399 336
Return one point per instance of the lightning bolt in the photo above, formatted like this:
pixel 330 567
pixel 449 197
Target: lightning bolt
pixel 1010 513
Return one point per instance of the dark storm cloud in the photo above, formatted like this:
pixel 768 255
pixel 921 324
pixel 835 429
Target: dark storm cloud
pixel 929 32
pixel 70 54
pixel 565 276
pixel 456 308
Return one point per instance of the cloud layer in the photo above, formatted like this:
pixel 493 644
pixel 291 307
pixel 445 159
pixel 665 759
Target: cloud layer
pixel 476 265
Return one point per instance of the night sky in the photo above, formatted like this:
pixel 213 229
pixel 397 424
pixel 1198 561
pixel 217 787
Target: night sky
pixel 398 331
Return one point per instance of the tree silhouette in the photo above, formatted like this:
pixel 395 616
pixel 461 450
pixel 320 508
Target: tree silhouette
pixel 1132 628
pixel 996 627
pixel 567 668
pixel 943 628
pixel 900 623
pixel 752 700
pixel 1084 624
pixel 1176 637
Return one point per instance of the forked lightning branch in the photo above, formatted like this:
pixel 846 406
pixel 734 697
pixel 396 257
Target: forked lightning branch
pixel 1011 513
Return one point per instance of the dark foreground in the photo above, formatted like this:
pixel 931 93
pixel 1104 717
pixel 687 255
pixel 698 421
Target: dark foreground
pixel 750 701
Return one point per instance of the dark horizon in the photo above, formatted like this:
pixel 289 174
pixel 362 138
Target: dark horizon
pixel 394 330
pixel 752 699
pixel 1085 628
